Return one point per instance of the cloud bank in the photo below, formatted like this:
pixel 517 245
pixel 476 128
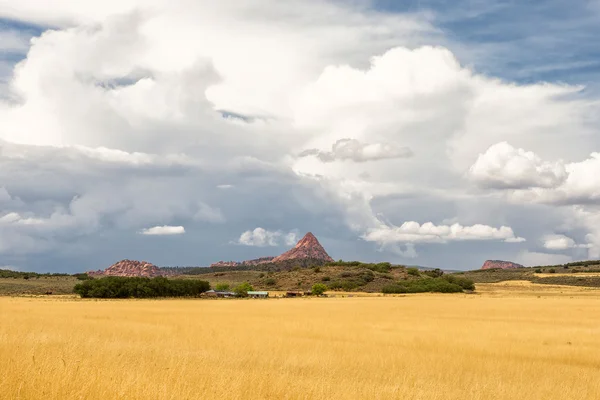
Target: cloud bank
pixel 108 129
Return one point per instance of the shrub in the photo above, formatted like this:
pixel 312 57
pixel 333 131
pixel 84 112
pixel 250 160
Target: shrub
pixel 317 270
pixel 261 275
pixel 538 271
pixel 243 289
pixel 222 287
pixel 122 288
pixel 346 285
pixel 270 282
pixel 318 289
pixel 466 284
pixel 82 277
pixel 326 279
pixel 552 271
pixel 413 271
pixel 434 273
pixel 439 285
pixel 379 267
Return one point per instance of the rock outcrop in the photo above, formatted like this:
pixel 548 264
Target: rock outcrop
pixel 307 247
pixel 490 264
pixel 130 268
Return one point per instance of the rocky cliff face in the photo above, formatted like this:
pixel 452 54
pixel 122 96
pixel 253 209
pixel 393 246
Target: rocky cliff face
pixel 489 264
pixel 130 268
pixel 307 247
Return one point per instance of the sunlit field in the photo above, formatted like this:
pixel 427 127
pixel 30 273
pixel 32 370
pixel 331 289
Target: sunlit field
pixel 486 346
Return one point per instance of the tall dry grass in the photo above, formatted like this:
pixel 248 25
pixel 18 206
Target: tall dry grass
pixel 414 347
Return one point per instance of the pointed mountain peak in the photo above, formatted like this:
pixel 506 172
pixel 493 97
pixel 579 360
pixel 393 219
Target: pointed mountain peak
pixel 309 238
pixel 307 247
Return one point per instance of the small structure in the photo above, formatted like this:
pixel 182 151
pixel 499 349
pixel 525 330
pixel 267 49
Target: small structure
pixel 258 294
pixel 294 294
pixel 214 293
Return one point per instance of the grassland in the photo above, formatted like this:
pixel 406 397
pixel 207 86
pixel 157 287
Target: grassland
pixel 38 286
pixel 523 341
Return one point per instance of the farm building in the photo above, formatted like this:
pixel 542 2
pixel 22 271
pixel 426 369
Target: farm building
pixel 258 294
pixel 213 293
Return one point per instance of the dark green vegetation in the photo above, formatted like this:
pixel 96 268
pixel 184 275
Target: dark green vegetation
pixel 123 288
pixel 443 284
pixel 6 273
pixel 382 267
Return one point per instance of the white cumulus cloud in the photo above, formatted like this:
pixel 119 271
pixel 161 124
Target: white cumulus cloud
pixel 503 166
pixel 261 237
pixel 413 232
pixel 354 150
pixel 163 230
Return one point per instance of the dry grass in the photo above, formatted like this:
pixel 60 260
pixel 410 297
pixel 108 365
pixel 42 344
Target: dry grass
pixel 34 286
pixel 500 346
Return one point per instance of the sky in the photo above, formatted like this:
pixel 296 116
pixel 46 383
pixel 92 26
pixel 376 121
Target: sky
pixel 423 132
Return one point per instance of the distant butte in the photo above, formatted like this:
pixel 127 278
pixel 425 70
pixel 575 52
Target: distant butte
pixel 491 264
pixel 129 268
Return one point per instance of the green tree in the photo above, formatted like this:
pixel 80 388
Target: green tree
pixel 413 271
pixel 222 287
pixel 318 289
pixel 243 289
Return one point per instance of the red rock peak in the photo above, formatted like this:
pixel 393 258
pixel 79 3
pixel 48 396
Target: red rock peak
pixel 307 247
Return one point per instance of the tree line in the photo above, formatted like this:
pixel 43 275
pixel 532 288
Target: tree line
pixel 116 287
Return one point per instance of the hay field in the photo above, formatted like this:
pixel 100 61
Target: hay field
pixel 405 347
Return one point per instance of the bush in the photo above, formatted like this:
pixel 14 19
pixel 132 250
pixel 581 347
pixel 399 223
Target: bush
pixel 434 273
pixel 318 289
pixel 538 271
pixel 552 271
pixel 243 289
pixel 116 287
pixel 270 282
pixel 326 279
pixel 316 270
pixel 382 267
pixel 222 287
pixel 413 271
pixel 466 284
pixel 438 285
pixel 345 285
pixel 82 277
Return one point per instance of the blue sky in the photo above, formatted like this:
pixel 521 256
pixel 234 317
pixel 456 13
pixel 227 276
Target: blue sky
pixel 465 139
pixel 524 41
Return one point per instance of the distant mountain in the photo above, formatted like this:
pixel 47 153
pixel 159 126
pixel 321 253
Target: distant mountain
pixel 257 261
pixel 130 268
pixel 491 264
pixel 307 247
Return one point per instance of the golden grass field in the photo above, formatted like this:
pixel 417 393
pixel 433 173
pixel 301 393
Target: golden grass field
pixel 499 344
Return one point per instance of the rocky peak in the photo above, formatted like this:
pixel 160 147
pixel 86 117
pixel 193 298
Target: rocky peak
pixel 307 247
pixel 490 264
pixel 130 268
